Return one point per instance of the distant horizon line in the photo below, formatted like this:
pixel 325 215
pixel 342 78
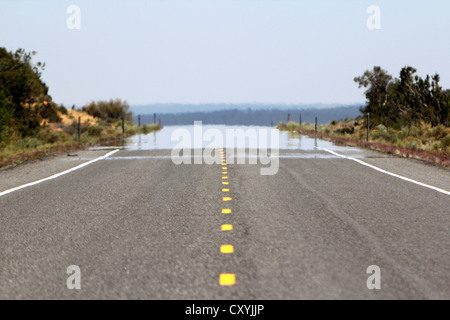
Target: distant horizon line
pixel 245 103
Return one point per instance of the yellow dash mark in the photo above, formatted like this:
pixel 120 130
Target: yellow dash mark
pixel 226 199
pixel 226 210
pixel 227 227
pixel 226 248
pixel 227 279
pixel 224 172
pixel 225 190
pixel 224 177
pixel 224 168
pixel 224 182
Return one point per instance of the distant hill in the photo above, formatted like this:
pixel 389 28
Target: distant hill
pixel 184 107
pixel 251 116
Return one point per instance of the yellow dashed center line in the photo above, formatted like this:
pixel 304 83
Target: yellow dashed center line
pixel 226 279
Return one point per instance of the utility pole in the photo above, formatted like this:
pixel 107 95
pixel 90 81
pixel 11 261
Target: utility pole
pixel 315 125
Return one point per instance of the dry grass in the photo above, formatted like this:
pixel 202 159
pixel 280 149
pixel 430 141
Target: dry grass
pixel 63 137
pixel 423 142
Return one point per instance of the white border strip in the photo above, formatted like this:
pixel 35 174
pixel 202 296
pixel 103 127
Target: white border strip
pixel 58 174
pixel 387 172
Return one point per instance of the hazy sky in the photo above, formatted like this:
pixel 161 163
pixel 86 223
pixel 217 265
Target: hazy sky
pixel 225 51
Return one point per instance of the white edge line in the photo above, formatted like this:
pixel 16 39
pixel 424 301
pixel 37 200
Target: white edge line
pixel 58 174
pixel 387 172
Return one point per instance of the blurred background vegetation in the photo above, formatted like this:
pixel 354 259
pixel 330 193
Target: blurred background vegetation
pixel 32 125
pixel 409 113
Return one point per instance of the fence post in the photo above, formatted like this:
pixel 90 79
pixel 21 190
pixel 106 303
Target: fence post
pixel 79 129
pixel 368 126
pixel 123 131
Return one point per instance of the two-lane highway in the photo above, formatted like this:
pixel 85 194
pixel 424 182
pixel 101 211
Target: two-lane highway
pixel 141 227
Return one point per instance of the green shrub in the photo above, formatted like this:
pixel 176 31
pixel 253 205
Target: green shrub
pixel 63 110
pixel 49 111
pixel 95 131
pixel 48 136
pixel 292 125
pixel 439 132
pixel 413 132
pixel 27 143
pixel 281 126
pixel 381 128
pixel 412 145
pixel 436 146
pixel 445 143
pixel 345 130
pixel 109 110
pixel 145 129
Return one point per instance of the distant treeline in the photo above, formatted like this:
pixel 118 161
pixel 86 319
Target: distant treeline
pixel 252 117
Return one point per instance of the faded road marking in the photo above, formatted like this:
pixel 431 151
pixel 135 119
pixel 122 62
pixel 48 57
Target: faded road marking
pixel 58 174
pixel 387 172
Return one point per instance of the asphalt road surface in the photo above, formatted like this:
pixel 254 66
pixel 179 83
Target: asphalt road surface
pixel 140 227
